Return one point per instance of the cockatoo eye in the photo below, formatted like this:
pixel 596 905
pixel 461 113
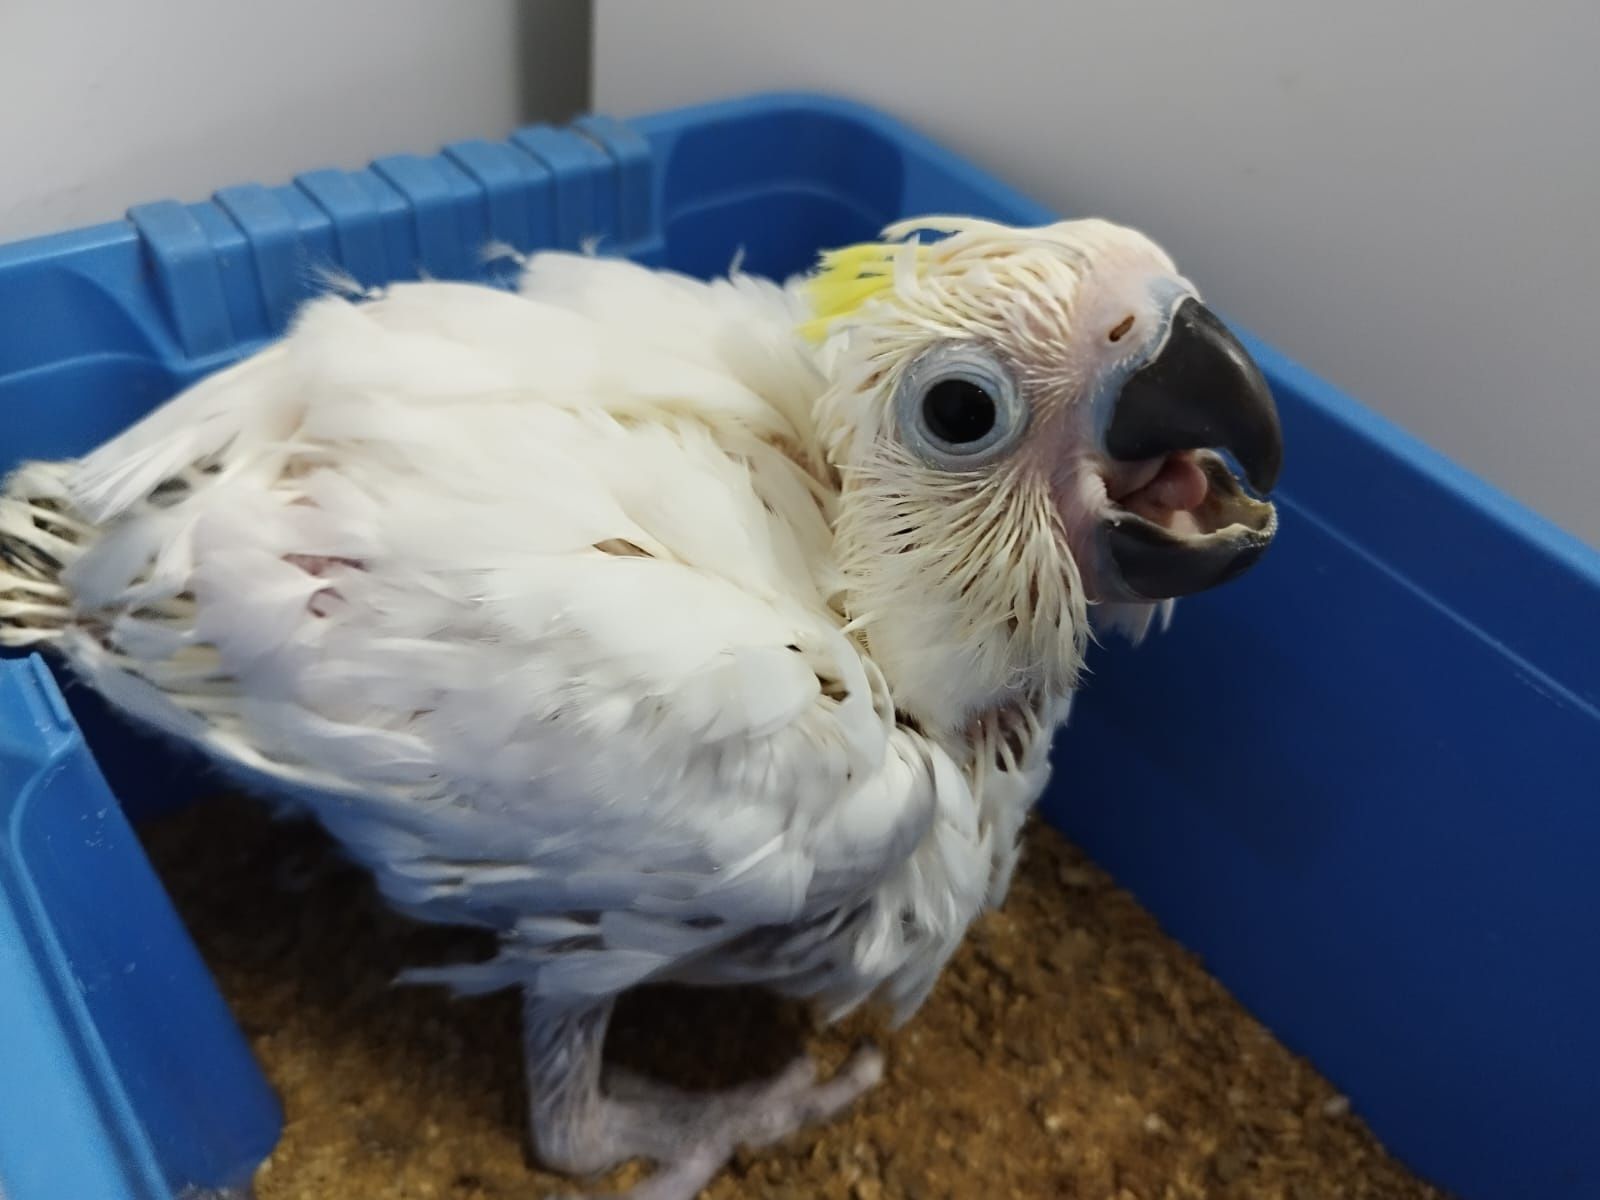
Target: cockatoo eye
pixel 957 407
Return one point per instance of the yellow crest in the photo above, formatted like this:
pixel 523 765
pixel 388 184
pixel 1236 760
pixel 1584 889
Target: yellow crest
pixel 847 278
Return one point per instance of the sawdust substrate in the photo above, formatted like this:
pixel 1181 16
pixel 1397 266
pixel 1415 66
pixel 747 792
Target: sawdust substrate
pixel 1071 1050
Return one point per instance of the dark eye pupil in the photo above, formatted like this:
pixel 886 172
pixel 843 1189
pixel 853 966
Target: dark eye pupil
pixel 958 411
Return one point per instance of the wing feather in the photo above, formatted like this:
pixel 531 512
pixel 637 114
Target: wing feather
pixel 526 597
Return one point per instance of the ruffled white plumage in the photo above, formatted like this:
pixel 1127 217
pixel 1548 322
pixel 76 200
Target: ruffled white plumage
pixel 532 600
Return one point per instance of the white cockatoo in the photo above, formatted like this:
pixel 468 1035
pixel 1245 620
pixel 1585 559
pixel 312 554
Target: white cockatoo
pixel 676 631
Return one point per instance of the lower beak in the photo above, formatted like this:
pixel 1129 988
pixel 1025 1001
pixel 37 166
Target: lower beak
pixel 1198 394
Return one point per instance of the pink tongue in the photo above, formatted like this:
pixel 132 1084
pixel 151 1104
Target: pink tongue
pixel 1180 486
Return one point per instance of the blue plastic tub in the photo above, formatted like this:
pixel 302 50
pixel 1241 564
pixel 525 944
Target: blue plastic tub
pixel 1383 834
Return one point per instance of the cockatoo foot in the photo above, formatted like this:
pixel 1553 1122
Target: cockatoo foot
pixel 693 1135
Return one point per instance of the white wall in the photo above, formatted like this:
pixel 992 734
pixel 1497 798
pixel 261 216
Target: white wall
pixel 108 103
pixel 1404 196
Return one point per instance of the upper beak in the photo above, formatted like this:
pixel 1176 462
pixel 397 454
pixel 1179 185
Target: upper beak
pixel 1200 391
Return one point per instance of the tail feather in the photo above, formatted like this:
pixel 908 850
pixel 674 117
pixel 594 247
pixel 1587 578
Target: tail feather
pixel 40 537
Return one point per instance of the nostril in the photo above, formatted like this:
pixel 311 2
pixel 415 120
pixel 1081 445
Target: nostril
pixel 1121 328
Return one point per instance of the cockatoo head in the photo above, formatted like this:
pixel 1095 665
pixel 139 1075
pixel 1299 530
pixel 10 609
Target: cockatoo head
pixel 1026 425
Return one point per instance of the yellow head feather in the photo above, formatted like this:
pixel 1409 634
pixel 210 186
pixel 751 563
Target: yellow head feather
pixel 846 279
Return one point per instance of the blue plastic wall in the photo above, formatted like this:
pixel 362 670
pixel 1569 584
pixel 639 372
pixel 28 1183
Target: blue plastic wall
pixel 121 1073
pixel 1361 782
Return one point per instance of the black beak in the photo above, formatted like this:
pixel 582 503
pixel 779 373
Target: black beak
pixel 1200 392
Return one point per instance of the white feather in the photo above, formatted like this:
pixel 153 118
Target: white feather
pixel 532 600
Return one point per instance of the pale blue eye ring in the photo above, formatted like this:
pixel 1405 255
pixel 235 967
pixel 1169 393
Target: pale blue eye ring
pixel 957 407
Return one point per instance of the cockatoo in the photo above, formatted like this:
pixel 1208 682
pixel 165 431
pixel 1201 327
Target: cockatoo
pixel 706 632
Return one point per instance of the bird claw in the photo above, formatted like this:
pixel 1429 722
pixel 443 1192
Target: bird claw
pixel 694 1145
